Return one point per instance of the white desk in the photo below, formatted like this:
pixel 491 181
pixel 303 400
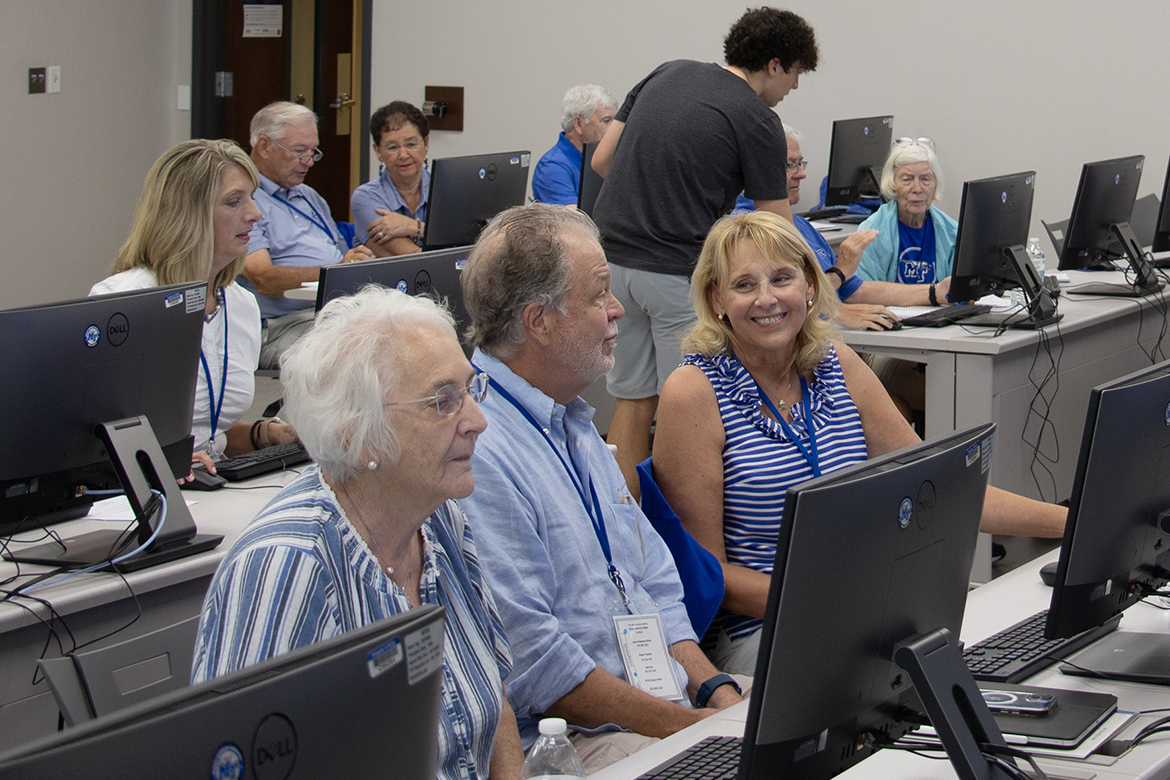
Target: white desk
pixel 93 605
pixel 972 378
pixel 990 608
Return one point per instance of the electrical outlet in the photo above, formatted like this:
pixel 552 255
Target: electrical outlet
pixel 53 79
pixel 36 81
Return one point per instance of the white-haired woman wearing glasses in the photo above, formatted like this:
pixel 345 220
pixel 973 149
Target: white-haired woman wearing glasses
pixel 387 404
pixel 915 247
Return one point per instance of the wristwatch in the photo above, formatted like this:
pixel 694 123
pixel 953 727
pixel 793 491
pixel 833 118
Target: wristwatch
pixel 835 270
pixel 708 688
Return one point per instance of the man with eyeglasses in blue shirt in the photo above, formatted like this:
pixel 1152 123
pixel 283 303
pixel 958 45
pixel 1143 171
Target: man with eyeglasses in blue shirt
pixel 297 234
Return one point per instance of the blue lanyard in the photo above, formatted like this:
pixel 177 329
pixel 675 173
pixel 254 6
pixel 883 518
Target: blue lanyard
pixel 593 510
pixel 319 221
pixel 216 408
pixel 809 453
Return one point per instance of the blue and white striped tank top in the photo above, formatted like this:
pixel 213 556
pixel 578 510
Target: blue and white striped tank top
pixel 760 462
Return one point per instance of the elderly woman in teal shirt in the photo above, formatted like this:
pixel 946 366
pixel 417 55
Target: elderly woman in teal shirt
pixel 915 247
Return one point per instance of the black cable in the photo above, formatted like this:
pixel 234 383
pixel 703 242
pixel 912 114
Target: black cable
pixel 1047 387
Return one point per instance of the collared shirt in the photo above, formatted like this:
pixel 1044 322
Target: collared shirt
pixel 541 555
pixel 300 573
pixel 292 236
pixel 557 177
pixel 382 194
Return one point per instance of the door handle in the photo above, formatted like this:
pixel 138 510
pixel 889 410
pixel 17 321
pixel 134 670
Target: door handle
pixel 343 101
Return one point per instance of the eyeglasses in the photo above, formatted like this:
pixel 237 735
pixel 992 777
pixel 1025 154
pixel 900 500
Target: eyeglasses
pixel 449 398
pixel 794 164
pixel 929 144
pixel 410 146
pixel 303 157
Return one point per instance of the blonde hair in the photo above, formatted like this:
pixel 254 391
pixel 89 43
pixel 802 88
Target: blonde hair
pixel 778 240
pixel 174 228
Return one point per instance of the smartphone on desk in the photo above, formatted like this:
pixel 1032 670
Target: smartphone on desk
pixel 1027 703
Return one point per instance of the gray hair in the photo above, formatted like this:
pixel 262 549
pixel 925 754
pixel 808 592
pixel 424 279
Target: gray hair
pixel 337 376
pixel 904 154
pixel 792 134
pixel 274 117
pixel 518 259
pixel 583 100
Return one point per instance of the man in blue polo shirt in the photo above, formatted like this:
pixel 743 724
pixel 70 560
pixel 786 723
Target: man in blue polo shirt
pixel 297 234
pixel 586 112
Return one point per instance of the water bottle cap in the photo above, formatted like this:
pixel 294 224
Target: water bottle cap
pixel 550 727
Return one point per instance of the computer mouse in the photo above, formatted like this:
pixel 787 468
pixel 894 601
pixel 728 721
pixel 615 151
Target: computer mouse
pixel 204 480
pixel 1048 573
pixel 894 324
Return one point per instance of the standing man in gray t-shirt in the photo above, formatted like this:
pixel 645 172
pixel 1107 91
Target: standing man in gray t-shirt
pixel 688 139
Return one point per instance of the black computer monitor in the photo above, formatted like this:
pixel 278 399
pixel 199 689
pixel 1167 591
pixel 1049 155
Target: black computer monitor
pixel 591 181
pixel 856 155
pixel 466 192
pixel 1098 229
pixel 79 377
pixel 435 274
pixel 867 559
pixel 1162 227
pixel 363 704
pixel 1116 545
pixel 994 219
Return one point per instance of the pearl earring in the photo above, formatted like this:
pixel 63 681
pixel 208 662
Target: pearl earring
pixel 810 303
pixel 373 464
pixel 722 317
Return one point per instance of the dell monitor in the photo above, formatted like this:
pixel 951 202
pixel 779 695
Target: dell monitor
pixel 591 181
pixel 1098 229
pixel 1116 546
pixel 868 559
pixel 434 274
pixel 1162 227
pixel 466 192
pixel 989 250
pixel 363 704
pixel 856 156
pixel 91 389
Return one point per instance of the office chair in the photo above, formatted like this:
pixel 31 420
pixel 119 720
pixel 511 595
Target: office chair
pixel 90 684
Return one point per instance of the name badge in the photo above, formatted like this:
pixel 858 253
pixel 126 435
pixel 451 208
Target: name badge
pixel 649 665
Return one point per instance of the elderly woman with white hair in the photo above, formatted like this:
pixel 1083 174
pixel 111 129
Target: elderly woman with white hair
pixel 385 401
pixel 915 247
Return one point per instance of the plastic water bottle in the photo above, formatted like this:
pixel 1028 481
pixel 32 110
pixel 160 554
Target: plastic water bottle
pixel 1036 255
pixel 552 755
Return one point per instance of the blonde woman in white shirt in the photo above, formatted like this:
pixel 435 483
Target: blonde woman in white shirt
pixel 192 223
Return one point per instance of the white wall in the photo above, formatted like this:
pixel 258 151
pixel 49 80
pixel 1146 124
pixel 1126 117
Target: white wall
pixel 1002 86
pixel 73 163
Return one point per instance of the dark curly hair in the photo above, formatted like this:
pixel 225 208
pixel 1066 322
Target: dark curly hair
pixel 764 34
pixel 394 115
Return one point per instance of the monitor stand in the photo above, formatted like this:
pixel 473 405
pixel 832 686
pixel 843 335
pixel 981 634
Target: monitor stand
pixel 1040 304
pixel 137 458
pixel 1146 280
pixel 953 703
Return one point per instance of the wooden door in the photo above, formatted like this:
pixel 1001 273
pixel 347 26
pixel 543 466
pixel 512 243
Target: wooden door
pixel 317 60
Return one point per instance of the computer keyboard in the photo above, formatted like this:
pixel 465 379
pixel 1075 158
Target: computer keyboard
pixel 945 315
pixel 826 213
pixel 269 459
pixel 1021 651
pixel 714 758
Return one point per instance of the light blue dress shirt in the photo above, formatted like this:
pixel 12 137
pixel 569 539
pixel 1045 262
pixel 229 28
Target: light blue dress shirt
pixel 382 194
pixel 541 556
pixel 297 229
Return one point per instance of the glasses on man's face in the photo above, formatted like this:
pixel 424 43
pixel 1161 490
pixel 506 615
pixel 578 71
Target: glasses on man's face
pixel 302 157
pixel 794 164
pixel 409 145
pixel 449 398
pixel 929 144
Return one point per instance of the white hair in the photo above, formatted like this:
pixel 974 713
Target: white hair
pixel 337 376
pixel 904 154
pixel 583 100
pixel 792 134
pixel 274 117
